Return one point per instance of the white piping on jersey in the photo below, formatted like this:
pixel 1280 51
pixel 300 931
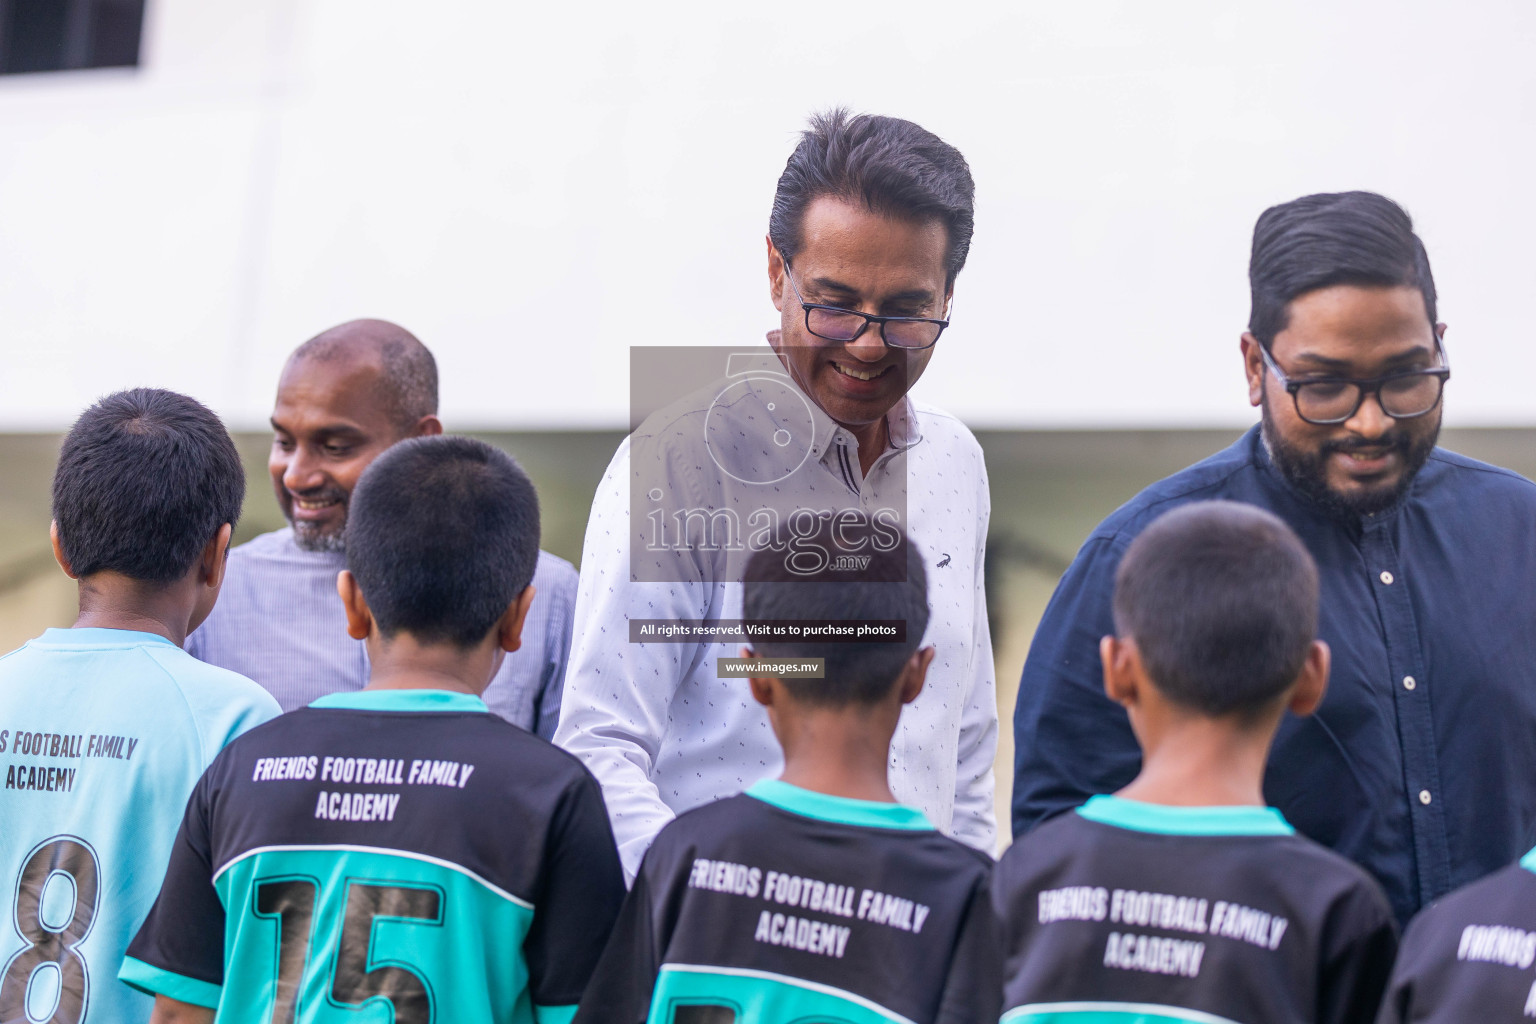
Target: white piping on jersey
pixel 450 865
pixel 1172 1013
pixel 827 990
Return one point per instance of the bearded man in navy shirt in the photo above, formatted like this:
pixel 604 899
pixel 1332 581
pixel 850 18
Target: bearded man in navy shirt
pixel 1418 765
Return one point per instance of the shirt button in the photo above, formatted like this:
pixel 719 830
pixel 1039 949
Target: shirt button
pixel 1424 797
pixel 1409 682
pixel 1386 578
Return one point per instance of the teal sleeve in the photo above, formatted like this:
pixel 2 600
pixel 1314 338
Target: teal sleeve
pixel 554 1014
pixel 157 981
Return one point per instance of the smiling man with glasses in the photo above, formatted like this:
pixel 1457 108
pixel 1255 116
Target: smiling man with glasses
pixel 1367 468
pixel 871 223
pixel 1418 763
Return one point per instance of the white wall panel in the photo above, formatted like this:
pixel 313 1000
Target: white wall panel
pixel 534 188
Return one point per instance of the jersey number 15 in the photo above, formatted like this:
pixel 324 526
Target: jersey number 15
pixel 353 982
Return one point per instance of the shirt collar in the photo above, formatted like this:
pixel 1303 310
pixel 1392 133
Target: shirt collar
pixel 1185 821
pixel 337 559
pixel 906 430
pixel 902 422
pixel 401 700
pixel 98 636
pixel 840 809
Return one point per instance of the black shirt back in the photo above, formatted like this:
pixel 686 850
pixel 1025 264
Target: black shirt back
pixel 1468 957
pixel 405 847
pixel 783 904
pixel 1189 913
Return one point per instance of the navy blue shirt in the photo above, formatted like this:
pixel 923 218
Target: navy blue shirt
pixel 1421 763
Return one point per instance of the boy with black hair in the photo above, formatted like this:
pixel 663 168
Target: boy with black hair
pixel 106 726
pixel 397 851
pixel 1468 956
pixel 814 896
pixel 1183 897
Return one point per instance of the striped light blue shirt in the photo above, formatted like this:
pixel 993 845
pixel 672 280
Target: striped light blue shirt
pixel 278 620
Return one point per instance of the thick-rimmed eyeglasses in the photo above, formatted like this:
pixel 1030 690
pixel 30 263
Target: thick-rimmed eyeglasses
pixel 1326 401
pixel 834 323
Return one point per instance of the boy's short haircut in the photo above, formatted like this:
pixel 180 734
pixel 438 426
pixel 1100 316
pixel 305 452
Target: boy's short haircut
pixel 1221 599
pixel 799 578
pixel 145 480
pixel 442 535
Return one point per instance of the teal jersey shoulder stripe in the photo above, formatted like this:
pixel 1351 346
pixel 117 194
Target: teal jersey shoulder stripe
pixel 1529 861
pixel 155 981
pixel 1185 821
pixel 760 995
pixel 401 700
pixel 383 852
pixel 840 809
pixel 1108 1013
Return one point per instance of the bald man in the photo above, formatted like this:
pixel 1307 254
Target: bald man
pixel 344 397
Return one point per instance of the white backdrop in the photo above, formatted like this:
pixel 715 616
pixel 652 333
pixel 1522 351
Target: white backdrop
pixel 532 188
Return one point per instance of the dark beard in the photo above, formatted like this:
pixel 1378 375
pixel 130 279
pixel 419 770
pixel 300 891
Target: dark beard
pixel 1307 470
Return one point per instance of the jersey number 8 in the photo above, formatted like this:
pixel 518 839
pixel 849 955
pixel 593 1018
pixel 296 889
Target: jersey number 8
pixel 49 945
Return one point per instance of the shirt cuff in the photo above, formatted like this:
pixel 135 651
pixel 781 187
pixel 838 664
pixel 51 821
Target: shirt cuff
pixel 158 981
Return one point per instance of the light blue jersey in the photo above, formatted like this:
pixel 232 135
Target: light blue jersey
pixel 103 734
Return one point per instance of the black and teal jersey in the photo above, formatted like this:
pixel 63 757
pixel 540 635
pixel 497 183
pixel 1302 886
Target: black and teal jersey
pixel 385 856
pixel 1470 955
pixel 1133 913
pixel 784 905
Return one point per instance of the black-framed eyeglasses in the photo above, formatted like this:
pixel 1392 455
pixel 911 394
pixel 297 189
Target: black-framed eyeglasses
pixel 1325 401
pixel 834 323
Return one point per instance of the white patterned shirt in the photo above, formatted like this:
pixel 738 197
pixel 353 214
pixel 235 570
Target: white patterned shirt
pixel 652 722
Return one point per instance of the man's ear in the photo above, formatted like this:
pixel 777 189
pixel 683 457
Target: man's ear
pixel 428 426
pixel 359 615
pixel 58 550
pixel 215 558
pixel 915 673
pixel 775 275
pixel 1253 368
pixel 511 625
pixel 1122 670
pixel 1313 682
